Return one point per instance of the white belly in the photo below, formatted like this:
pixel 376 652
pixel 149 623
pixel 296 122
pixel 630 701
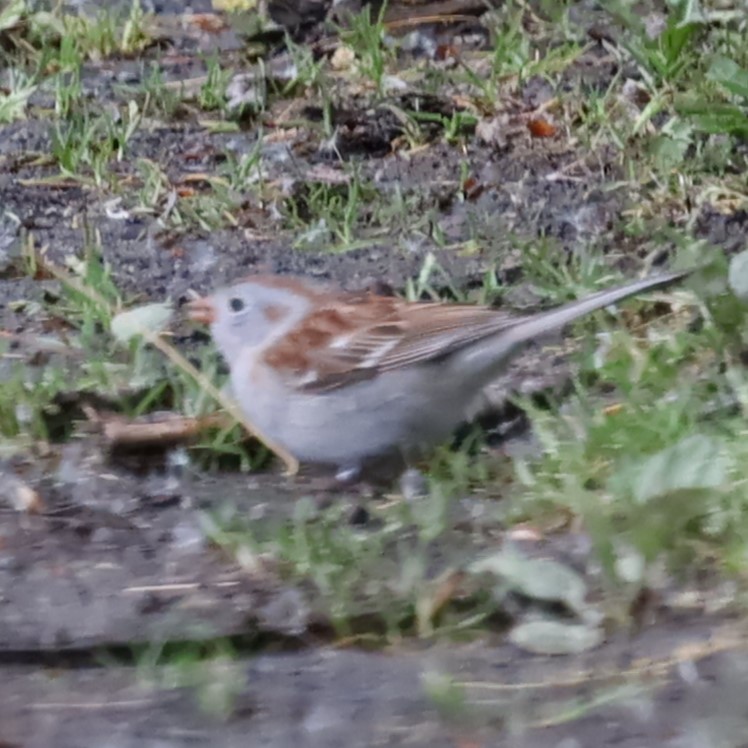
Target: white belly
pixel 399 412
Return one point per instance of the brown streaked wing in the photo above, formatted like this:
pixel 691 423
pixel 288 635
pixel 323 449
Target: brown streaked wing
pixel 434 330
pixel 376 334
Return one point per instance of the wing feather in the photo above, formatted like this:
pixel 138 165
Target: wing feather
pixel 362 335
pixel 354 337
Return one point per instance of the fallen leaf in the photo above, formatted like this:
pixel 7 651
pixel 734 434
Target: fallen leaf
pixel 541 128
pixel 538 579
pixel 232 6
pixel 210 22
pixel 555 638
pixel 738 275
pixel 446 52
pixel 20 495
pixel 147 318
pixel 342 58
pixel 696 462
pixel 472 188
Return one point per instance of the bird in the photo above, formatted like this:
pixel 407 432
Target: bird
pixel 356 381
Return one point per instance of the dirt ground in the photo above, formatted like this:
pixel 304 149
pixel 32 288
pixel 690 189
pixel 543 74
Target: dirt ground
pixel 119 569
pixel 93 600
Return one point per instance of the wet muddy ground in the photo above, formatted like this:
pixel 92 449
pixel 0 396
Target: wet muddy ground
pixel 130 629
pixel 141 602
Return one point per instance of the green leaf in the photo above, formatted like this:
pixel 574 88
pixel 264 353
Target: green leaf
pixel 738 275
pixel 713 117
pixel 538 579
pixel 11 14
pixel 696 462
pixel 147 318
pixel 685 13
pixel 555 637
pixel 671 146
pixel 13 104
pixel 729 74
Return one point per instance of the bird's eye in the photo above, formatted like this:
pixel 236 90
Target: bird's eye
pixel 236 304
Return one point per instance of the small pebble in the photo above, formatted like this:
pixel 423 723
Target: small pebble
pixel 413 485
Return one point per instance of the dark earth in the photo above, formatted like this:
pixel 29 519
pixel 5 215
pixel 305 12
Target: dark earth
pixel 122 622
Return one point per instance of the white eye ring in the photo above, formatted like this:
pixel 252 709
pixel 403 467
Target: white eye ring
pixel 236 304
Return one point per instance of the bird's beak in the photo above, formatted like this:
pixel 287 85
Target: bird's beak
pixel 202 310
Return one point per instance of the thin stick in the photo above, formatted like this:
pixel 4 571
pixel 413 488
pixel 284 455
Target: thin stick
pixel 122 433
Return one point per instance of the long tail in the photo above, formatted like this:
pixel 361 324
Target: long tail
pixel 554 319
pixel 486 358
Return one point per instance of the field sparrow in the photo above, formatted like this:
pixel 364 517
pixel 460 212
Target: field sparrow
pixel 350 380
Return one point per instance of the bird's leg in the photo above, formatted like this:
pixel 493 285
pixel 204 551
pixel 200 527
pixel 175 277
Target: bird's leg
pixel 383 473
pixel 365 481
pixel 346 485
pixel 352 476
